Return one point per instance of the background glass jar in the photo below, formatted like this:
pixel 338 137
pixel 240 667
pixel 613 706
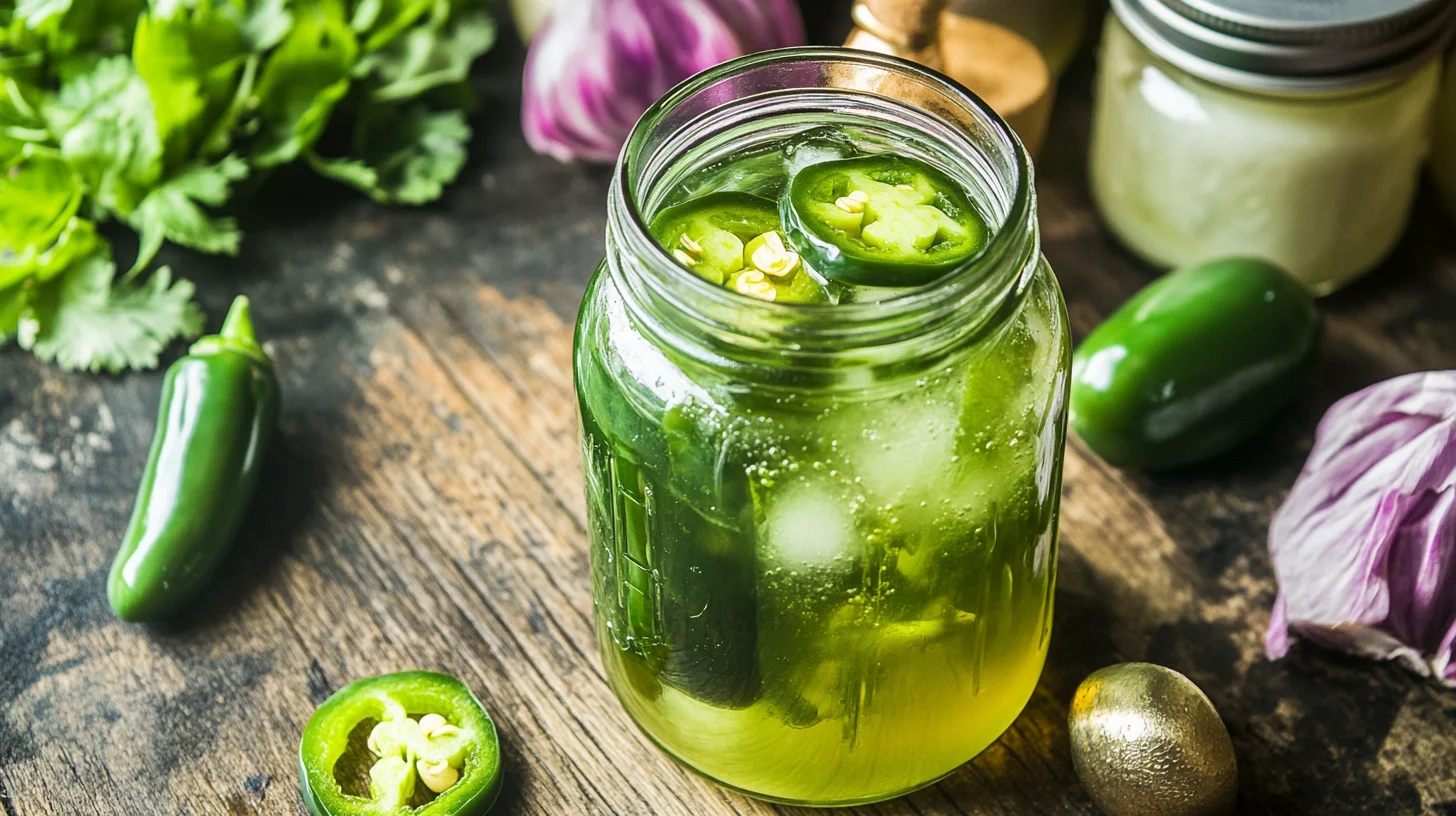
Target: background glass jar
pixel 1310 159
pixel 823 537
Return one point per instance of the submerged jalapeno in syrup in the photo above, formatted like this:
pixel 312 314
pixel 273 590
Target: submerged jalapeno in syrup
pixel 708 234
pixel 736 240
pixel 428 749
pixel 219 405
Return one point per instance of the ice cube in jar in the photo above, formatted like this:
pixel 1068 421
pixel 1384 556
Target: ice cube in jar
pixel 1235 139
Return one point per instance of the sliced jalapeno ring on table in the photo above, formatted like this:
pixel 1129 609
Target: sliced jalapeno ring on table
pixel 736 240
pixel 415 742
pixel 219 405
pixel 881 221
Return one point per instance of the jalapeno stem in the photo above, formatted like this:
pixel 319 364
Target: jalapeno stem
pixel 236 334
pixel 238 326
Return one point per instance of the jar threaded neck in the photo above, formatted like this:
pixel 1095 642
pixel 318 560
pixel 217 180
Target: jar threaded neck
pixel 779 93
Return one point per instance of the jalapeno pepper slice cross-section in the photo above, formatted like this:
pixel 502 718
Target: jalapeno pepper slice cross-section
pixel 736 240
pixel 881 220
pixel 416 743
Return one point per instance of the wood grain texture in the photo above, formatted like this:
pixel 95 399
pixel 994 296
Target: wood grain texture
pixel 423 508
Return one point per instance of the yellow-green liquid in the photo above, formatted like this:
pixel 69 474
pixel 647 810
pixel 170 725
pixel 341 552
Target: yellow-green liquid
pixel 921 711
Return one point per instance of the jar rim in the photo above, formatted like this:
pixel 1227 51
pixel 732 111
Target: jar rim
pixel 825 327
pixel 1262 46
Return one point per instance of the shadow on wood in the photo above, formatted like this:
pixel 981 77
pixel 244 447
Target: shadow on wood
pixel 293 477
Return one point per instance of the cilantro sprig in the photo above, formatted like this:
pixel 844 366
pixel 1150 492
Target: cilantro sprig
pixel 149 113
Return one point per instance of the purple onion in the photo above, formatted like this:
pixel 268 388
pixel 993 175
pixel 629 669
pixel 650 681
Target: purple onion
pixel 1365 546
pixel 598 64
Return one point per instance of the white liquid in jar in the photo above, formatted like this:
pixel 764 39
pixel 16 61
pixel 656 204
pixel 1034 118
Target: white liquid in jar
pixel 1186 171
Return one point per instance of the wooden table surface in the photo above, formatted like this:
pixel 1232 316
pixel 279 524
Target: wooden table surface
pixel 423 508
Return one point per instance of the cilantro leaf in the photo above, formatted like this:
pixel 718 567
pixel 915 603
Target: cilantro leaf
pixel 87 320
pixel 149 112
pixel 352 172
pixel 267 24
pixel 378 22
pixel 41 263
pixel 303 80
pixel 404 155
pixel 20 124
pixel 190 62
pixel 64 28
pixel 171 211
pixel 35 12
pixel 427 57
pixel 220 138
pixel 12 304
pixel 108 132
pixel 169 8
pixel 40 195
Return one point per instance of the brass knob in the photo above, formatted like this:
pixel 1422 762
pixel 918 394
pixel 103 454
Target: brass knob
pixel 996 63
pixel 903 28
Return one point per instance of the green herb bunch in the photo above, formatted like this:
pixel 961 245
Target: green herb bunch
pixel 149 114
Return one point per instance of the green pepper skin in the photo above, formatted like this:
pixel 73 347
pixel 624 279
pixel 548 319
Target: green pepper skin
pixel 218 409
pixel 841 256
pixel 1194 364
pixel 743 215
pixel 326 739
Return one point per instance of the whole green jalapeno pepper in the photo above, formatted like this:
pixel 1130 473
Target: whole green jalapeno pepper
pixel 1194 364
pixel 219 406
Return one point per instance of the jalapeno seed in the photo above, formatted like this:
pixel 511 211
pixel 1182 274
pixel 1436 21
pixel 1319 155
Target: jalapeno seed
pixel 437 776
pixel 406 746
pixel 755 284
pixel 769 255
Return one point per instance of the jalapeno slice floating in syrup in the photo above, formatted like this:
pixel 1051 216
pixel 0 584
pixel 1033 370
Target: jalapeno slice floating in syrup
pixel 415 743
pixel 881 221
pixel 735 240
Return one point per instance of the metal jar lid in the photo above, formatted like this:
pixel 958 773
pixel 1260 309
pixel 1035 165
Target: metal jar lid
pixel 1292 45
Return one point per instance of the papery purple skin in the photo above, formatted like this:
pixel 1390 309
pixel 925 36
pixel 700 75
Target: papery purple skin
pixel 762 25
pixel 1365 546
pixel 597 65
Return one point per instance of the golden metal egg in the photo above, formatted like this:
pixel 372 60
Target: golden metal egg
pixel 1145 740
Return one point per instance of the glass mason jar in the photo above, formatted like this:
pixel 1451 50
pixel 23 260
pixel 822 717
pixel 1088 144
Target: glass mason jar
pixel 823 538
pixel 1443 157
pixel 1209 140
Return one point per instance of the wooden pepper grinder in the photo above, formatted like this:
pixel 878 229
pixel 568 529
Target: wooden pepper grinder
pixel 996 63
